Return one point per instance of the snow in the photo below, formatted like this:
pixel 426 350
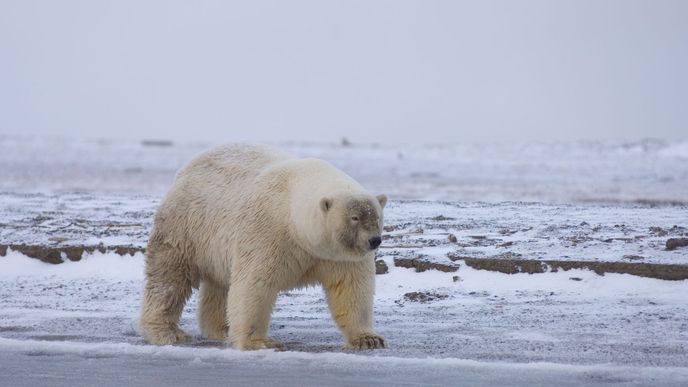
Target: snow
pixel 76 323
pixel 679 150
pixel 593 232
pixel 538 231
pixel 616 326
pixel 554 172
pixel 110 284
pixel 16 266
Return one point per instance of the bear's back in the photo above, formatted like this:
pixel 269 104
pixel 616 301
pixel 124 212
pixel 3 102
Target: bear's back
pixel 232 162
pixel 211 200
pixel 218 181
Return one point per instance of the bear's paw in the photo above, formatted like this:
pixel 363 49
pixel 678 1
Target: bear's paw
pixel 167 336
pixel 367 341
pixel 256 343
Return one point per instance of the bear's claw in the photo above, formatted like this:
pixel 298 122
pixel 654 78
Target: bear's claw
pixel 367 341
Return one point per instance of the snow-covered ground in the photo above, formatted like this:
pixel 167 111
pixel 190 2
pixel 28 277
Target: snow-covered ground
pixel 616 329
pixel 536 231
pixel 75 323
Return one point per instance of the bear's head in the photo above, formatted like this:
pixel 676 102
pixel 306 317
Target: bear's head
pixel 353 224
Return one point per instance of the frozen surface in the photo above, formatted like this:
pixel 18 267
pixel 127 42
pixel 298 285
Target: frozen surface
pixel 649 171
pixel 79 364
pixel 616 329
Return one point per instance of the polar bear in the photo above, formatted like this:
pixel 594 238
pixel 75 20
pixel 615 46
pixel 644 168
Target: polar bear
pixel 244 222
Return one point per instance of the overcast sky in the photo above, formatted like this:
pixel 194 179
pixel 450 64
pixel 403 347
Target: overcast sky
pixel 373 71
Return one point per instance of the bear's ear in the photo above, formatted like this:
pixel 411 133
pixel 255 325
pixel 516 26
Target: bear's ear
pixel 325 204
pixel 382 198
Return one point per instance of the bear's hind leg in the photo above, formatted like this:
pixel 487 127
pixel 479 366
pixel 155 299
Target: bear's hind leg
pixel 212 310
pixel 168 287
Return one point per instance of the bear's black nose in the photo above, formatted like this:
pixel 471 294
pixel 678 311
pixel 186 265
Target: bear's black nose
pixel 374 242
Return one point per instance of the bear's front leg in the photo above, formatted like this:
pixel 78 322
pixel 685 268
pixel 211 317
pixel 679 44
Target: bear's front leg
pixel 249 306
pixel 349 288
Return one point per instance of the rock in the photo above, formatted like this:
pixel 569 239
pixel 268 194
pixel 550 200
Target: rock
pixel 424 297
pixel 381 267
pixel 452 238
pixel 131 250
pixel 159 143
pixel 658 231
pixel 133 170
pixel 674 243
pixel 457 257
pixel 441 217
pixel 508 255
pixel 421 264
pixel 507 266
pixel 74 253
pixel 45 254
pixel 53 254
pixel 511 266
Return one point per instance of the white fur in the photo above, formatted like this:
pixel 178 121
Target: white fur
pixel 246 222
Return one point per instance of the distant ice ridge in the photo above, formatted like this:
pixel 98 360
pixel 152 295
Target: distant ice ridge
pixel 648 172
pixel 679 150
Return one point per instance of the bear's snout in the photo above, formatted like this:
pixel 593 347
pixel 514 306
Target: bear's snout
pixel 374 242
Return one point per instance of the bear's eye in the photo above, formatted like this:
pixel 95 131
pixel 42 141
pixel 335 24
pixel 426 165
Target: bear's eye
pixel 354 218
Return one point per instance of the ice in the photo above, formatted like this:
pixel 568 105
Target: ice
pixel 105 364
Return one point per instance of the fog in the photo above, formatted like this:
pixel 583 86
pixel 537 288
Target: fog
pixel 380 71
